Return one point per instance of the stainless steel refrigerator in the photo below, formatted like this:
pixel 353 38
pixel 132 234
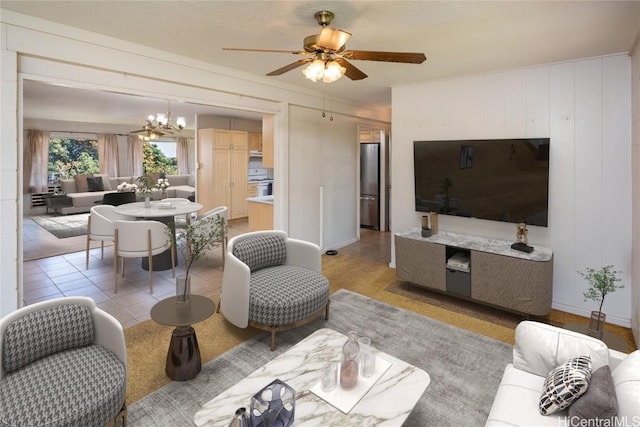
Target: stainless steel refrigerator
pixel 370 185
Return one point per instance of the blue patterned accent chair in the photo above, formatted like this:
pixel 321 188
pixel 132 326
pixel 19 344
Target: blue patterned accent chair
pixel 272 282
pixel 63 363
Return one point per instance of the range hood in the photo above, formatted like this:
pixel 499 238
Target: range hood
pixel 254 153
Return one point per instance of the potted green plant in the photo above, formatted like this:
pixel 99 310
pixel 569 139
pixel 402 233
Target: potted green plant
pixel 146 186
pixel 194 240
pixel 601 282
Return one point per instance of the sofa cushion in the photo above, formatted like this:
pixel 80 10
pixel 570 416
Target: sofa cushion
pixel 516 401
pixel 81 183
pixel 565 384
pixel 599 402
pixel 540 348
pixel 86 386
pixel 44 332
pixel 626 379
pixel 95 183
pixel 106 181
pixel 68 186
pixel 265 250
pixel 286 294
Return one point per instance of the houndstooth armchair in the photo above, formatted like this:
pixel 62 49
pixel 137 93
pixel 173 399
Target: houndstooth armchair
pixel 63 363
pixel 272 282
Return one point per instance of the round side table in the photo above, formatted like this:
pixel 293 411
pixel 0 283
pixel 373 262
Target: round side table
pixel 183 357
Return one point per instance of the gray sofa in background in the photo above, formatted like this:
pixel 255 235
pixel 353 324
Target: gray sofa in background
pixel 83 199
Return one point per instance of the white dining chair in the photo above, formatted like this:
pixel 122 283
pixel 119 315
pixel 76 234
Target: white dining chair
pixel 101 227
pixel 221 211
pixel 137 239
pixel 179 219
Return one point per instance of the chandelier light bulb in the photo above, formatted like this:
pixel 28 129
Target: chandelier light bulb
pixel 151 118
pixel 181 122
pixel 162 119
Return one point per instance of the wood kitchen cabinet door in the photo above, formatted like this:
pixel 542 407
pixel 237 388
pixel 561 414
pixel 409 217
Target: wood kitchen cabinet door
pixel 239 170
pixel 221 139
pixel 239 140
pixel 267 141
pixel 255 141
pixel 204 172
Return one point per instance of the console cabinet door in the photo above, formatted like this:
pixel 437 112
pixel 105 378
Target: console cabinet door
pixel 517 284
pixel 421 262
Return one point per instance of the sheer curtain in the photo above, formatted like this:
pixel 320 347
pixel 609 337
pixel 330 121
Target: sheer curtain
pixel 182 154
pixel 135 155
pixel 108 154
pixel 36 160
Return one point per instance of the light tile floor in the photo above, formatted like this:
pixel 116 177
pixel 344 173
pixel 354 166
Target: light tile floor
pixel 64 274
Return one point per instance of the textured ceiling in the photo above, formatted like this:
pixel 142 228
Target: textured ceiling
pixel 458 37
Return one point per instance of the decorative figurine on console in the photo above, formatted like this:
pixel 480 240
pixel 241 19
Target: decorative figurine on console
pixel 426 231
pixel 430 224
pixel 522 238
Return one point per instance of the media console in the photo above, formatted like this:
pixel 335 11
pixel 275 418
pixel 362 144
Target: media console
pixel 478 268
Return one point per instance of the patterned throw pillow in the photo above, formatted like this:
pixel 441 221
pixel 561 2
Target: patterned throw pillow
pixel 565 384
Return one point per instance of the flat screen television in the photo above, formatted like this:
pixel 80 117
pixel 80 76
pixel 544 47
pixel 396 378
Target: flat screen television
pixel 494 179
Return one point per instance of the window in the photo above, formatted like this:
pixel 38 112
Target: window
pixel 160 157
pixel 69 157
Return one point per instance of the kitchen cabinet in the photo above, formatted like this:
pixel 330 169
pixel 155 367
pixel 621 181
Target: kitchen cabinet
pixel 260 213
pixel 255 141
pixel 267 141
pixel 252 190
pixel 223 159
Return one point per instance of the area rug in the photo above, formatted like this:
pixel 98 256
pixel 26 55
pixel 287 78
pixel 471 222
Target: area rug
pixel 465 368
pixel 63 226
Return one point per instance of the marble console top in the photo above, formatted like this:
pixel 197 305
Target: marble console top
pixel 483 244
pixel 389 402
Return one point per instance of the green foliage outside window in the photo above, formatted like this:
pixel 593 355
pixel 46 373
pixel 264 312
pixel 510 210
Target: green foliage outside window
pixel 156 161
pixel 69 157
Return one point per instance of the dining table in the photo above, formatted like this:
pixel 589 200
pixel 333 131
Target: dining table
pixel 165 212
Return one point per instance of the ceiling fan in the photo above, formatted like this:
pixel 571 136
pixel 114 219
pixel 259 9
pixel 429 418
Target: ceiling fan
pixel 327 50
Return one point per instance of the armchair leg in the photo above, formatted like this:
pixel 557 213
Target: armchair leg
pixel 326 310
pixel 273 338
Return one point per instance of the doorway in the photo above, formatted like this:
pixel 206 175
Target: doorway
pixel 374 184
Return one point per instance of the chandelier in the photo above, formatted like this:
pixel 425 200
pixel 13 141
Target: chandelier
pixel 160 124
pixel 325 69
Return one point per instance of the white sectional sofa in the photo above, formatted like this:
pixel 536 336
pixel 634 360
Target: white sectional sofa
pixel 83 199
pixel 540 348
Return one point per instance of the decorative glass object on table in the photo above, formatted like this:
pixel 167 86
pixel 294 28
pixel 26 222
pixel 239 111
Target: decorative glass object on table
pixel 329 377
pixel 349 363
pixel 273 406
pixel 367 357
pixel 183 289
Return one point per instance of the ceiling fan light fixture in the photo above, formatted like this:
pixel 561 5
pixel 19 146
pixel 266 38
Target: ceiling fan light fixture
pixel 327 71
pixel 332 72
pixel 314 71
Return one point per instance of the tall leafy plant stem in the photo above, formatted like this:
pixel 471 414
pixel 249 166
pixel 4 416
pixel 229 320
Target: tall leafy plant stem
pixel 196 239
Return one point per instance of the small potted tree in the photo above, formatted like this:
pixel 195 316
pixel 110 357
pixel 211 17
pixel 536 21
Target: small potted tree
pixel 601 282
pixel 194 241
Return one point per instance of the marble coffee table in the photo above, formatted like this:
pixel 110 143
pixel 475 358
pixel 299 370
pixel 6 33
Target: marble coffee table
pixel 388 402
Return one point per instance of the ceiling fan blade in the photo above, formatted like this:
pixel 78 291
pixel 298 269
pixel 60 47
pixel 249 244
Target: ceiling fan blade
pixel 369 55
pixel 290 67
pixel 295 52
pixel 332 38
pixel 352 72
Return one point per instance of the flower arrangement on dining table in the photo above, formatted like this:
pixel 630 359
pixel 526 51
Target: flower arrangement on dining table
pixel 126 187
pixel 147 184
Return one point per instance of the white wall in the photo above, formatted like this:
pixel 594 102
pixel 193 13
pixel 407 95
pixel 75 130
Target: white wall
pixel 585 108
pixel 635 155
pixel 40 50
pixel 323 177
